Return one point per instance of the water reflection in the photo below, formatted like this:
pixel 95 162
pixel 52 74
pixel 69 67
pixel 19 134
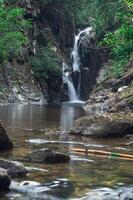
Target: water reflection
pixel 67 117
pixel 24 117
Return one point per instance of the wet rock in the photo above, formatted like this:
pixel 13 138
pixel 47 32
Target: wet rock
pixel 110 194
pixel 14 169
pixel 109 125
pixel 47 156
pixel 4 180
pixel 5 142
pixel 23 186
pixel 57 189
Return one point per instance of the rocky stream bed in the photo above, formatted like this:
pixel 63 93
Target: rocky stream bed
pixel 38 162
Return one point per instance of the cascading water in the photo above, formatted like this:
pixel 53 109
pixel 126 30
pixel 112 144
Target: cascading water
pixel 71 90
pixel 75 52
pixel 73 94
pixel 68 80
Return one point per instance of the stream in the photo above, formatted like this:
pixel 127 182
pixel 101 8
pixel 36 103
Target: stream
pixel 85 177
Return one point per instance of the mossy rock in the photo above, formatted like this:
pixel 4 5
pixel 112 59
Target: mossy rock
pixel 109 126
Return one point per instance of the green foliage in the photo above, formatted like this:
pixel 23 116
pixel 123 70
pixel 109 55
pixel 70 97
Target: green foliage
pixel 98 13
pixel 119 67
pixel 129 3
pixel 120 42
pixel 110 16
pixel 12 30
pixel 45 63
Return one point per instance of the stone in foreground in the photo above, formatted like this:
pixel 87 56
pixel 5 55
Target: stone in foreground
pixel 47 156
pixel 14 169
pixel 5 142
pixel 4 180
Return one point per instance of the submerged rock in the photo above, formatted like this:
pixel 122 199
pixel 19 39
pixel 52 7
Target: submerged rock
pixel 47 156
pixel 109 125
pixel 5 142
pixel 14 169
pixel 4 180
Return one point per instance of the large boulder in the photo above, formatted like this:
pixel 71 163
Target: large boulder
pixel 109 125
pixel 4 180
pixel 5 142
pixel 14 169
pixel 47 156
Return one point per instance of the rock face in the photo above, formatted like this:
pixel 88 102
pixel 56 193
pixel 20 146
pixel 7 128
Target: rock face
pixel 4 180
pixel 124 99
pixel 47 156
pixel 14 169
pixel 18 90
pixel 113 95
pixel 5 142
pixel 61 31
pixel 111 125
pixel 91 60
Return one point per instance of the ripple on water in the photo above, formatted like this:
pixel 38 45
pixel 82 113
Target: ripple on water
pixel 78 158
pixel 38 141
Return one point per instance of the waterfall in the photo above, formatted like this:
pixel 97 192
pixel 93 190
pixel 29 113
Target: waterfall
pixel 71 90
pixel 75 51
pixel 73 94
pixel 68 80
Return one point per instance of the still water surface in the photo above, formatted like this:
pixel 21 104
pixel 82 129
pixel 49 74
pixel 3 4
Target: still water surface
pixel 35 126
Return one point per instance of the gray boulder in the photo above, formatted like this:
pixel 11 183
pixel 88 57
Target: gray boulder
pixel 14 169
pixel 47 156
pixel 5 141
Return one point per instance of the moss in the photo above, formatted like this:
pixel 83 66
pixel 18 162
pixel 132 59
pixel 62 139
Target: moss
pixel 126 93
pixel 130 100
